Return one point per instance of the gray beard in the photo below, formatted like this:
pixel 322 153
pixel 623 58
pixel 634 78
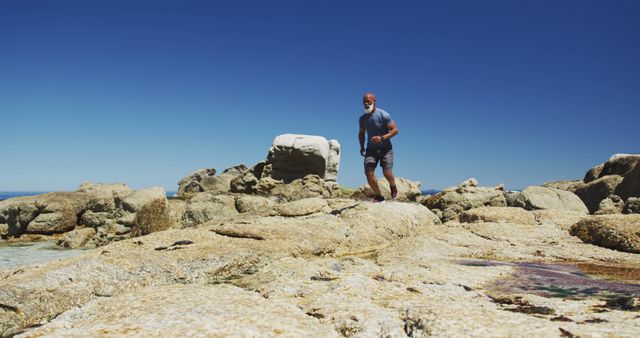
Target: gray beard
pixel 369 109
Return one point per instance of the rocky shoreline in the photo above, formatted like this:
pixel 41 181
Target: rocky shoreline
pixel 279 249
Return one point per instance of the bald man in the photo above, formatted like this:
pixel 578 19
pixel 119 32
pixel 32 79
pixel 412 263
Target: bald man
pixel 379 129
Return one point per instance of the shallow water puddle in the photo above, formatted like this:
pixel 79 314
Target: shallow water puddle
pixel 15 254
pixel 571 281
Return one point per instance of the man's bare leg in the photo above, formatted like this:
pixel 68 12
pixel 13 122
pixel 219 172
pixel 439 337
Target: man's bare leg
pixel 388 174
pixel 371 179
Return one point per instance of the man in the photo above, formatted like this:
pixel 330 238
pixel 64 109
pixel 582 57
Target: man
pixel 379 128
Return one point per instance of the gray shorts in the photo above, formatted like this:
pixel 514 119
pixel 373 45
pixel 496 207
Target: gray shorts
pixel 384 156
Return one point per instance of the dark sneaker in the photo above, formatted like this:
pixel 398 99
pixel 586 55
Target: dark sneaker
pixel 394 192
pixel 378 199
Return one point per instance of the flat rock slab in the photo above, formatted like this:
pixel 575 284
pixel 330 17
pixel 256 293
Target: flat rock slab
pixel 499 215
pixel 186 311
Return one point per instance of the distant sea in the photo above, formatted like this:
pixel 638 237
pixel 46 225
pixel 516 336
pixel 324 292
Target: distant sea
pixel 9 194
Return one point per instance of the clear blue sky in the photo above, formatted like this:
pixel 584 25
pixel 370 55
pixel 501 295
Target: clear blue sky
pixel 145 92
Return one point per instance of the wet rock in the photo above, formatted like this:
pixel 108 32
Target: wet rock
pixel 536 198
pixel 594 192
pixel 498 215
pixel 617 232
pixel 407 190
pixel 610 205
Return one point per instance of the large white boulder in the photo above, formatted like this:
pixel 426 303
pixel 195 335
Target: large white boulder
pixel 295 156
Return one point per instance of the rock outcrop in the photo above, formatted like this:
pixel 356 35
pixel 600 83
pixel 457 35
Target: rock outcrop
pixel 498 215
pixel 617 232
pixel 109 210
pixel 540 198
pixel 43 214
pixel 452 201
pixel 407 190
pixel 295 156
pixel 610 205
pixel 595 191
pixel 297 166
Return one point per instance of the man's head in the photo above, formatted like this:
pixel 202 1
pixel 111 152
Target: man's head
pixel 369 101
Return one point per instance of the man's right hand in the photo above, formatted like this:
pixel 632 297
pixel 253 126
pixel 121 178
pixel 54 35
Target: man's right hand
pixel 362 152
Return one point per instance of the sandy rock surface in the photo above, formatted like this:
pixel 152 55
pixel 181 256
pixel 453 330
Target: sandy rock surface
pixel 350 268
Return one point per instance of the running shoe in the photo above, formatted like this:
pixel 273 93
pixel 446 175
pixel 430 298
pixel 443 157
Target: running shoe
pixel 378 199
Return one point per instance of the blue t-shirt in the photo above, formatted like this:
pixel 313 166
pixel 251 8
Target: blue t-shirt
pixel 376 125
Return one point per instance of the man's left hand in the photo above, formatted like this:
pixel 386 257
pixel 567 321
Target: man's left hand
pixel 376 139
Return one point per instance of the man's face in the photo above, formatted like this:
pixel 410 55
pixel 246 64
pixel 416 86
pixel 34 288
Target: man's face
pixel 369 103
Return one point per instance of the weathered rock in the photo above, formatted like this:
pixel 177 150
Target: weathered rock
pixel 617 232
pixel 303 207
pixel 177 208
pixel 53 223
pixel 469 183
pixel 536 198
pixel 295 156
pixel 407 190
pixel 4 230
pixel 105 190
pixel 77 238
pixel 593 173
pixel 364 270
pixel 630 185
pixel 254 204
pixel 139 198
pixel 610 205
pixel 452 201
pixel 96 219
pixel 230 311
pixel 564 185
pixel 594 192
pixel 190 184
pixel 43 214
pixel 498 215
pixel 619 164
pixel 306 187
pixel 152 217
pixel 208 206
pixel 562 219
pixel 372 225
pixel 632 205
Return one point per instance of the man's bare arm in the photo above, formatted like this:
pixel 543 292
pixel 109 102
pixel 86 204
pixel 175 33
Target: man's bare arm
pixel 393 131
pixel 361 140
